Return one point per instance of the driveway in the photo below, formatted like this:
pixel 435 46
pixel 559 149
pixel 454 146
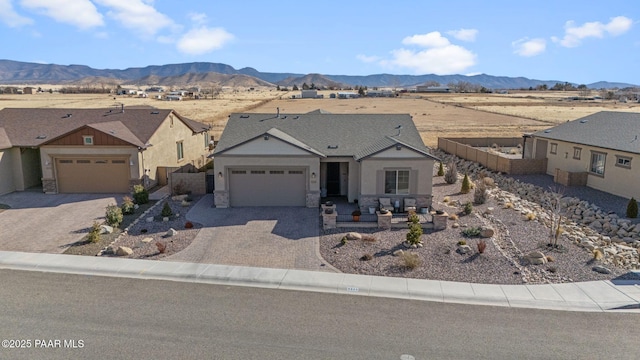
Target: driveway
pixel 37 222
pixel 273 237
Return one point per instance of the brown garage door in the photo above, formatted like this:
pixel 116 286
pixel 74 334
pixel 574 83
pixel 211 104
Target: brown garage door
pixel 267 187
pixel 92 175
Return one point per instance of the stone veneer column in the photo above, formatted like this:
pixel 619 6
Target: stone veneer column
pixel 384 220
pixel 329 220
pixel 221 199
pixel 49 186
pixel 313 199
pixel 440 221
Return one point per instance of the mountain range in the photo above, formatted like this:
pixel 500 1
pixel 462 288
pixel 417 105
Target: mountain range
pixel 206 73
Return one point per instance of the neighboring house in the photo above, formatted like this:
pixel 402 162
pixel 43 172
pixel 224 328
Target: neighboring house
pixel 295 159
pixel 94 150
pixel 432 89
pixel 309 94
pixel 601 151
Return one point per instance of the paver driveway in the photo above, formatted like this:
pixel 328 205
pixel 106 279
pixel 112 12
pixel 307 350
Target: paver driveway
pixel 38 222
pixel 274 237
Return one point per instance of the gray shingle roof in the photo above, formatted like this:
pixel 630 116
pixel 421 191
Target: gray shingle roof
pixel 330 134
pixel 606 129
pixel 35 127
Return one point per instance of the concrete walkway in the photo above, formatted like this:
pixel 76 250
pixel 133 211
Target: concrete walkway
pixel 595 296
pixel 273 237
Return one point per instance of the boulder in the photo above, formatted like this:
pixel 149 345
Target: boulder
pixel 123 251
pixel 147 240
pixel 535 258
pixel 171 232
pixel 486 232
pixel 464 249
pixel 601 269
pixel 398 252
pixel 150 219
pixel 353 236
pixel 106 229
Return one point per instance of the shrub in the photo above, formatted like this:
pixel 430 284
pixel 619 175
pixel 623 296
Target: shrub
pixel 468 208
pixel 140 194
pixel 451 175
pixel 530 216
pixel 409 260
pixel 94 233
pixel 462 242
pixel 597 254
pixel 441 169
pixel 482 246
pixel 166 210
pixel 472 231
pixel 344 240
pixel 466 185
pixel 356 212
pixel 550 258
pixel 480 193
pixel 128 207
pixel 632 209
pixel 446 199
pixel 414 234
pixel 366 257
pixel 508 205
pixel 453 217
pixel 412 217
pixel 162 247
pixel 113 215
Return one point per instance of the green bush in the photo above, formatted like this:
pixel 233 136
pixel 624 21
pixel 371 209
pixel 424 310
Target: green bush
pixel 441 169
pixel 409 260
pixel 94 233
pixel 472 231
pixel 114 215
pixel 412 217
pixel 414 234
pixel 140 194
pixel 632 209
pixel 468 208
pixel 128 207
pixel 166 210
pixel 466 185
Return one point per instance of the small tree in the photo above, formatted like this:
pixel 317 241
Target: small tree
pixel 94 233
pixel 632 209
pixel 468 208
pixel 451 176
pixel 127 206
pixel 166 210
pixel 466 185
pixel 414 234
pixel 441 169
pixel 140 194
pixel 113 215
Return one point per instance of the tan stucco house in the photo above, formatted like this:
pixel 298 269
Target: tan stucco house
pixel 297 159
pixel 95 150
pixel 601 151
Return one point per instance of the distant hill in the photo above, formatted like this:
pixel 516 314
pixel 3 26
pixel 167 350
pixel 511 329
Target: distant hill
pixel 202 80
pixel 12 72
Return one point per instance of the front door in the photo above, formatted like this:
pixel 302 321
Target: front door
pixel 333 179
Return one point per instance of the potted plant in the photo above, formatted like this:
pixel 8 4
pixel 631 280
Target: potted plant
pixel 356 215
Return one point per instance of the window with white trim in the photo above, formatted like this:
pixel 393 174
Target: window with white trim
pixel 554 148
pixel 396 182
pixel 87 139
pixel 623 161
pixel 577 152
pixel 180 150
pixel 597 163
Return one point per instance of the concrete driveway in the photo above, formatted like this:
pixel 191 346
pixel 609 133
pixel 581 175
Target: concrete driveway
pixel 273 237
pixel 38 222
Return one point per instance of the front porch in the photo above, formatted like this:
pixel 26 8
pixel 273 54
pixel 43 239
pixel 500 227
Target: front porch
pixel 343 209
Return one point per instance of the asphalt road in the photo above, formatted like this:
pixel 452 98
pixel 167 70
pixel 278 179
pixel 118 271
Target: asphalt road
pixel 117 318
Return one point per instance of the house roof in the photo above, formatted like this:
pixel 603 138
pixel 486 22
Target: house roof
pixel 35 127
pixel 606 129
pixel 4 139
pixel 349 135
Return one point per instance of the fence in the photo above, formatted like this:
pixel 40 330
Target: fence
pixel 187 178
pixel 466 148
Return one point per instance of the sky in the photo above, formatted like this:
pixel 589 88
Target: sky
pixel 576 41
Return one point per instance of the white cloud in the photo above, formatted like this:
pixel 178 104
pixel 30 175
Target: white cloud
pixel 80 13
pixel 440 56
pixel 203 40
pixel 529 47
pixel 574 34
pixel 198 18
pixel 138 15
pixel 464 34
pixel 9 17
pixel 367 59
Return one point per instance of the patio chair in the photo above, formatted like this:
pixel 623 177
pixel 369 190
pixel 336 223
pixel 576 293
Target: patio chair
pixel 409 204
pixel 385 203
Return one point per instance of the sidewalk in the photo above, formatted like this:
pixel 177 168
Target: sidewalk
pixel 595 296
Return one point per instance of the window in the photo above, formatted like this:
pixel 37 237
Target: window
pixel 206 140
pixel 554 148
pixel 258 172
pixel 276 172
pixel 117 161
pixel 577 152
pixel 597 163
pixel 87 139
pixel 623 161
pixel 83 161
pixel 396 182
pixel 238 172
pixel 101 161
pixel 180 150
pixel 296 172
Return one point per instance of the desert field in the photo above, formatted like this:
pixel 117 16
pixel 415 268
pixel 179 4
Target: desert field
pixel 435 115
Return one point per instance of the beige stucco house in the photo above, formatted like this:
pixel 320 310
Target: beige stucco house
pixel 601 151
pixel 297 159
pixel 95 150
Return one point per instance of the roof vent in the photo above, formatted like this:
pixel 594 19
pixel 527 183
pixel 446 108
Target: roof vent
pixel 583 121
pixel 547 131
pixel 41 137
pixel 244 116
pixel 296 117
pixel 284 117
pixel 155 112
pixel 332 147
pixel 68 115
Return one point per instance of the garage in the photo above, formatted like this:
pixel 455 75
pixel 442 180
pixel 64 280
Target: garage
pixel 92 175
pixel 267 187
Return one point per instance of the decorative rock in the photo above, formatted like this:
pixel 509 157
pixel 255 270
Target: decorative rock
pixel 601 269
pixel 185 203
pixel 489 210
pixel 123 251
pixel 464 249
pixel 171 232
pixel 487 232
pixel 353 236
pixel 455 225
pixel 147 240
pixel 535 258
pixel 136 206
pixel 106 229
pixel 165 219
pixel 398 252
pixel 150 219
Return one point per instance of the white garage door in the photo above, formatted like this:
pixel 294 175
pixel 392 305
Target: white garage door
pixel 267 187
pixel 92 175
